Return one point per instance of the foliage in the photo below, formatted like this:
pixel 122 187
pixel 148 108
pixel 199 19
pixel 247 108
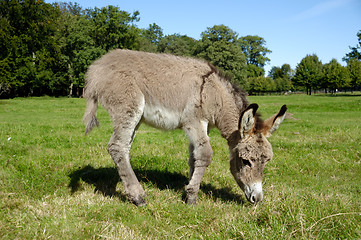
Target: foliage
pixel 176 44
pixel 154 33
pixel 254 49
pixel 282 77
pixel 149 38
pixel 57 184
pixel 218 46
pixel 113 28
pixel 77 45
pixel 261 84
pixel 355 51
pixel 335 76
pixel 254 71
pixel 30 55
pixel 281 72
pixel 308 73
pixel 354 67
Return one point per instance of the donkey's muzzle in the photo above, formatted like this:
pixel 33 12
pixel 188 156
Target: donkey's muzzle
pixel 254 192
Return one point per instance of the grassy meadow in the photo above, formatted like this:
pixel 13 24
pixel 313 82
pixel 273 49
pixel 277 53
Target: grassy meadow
pixel 55 183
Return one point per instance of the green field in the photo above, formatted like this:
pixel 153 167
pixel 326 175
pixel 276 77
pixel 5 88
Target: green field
pixel 55 183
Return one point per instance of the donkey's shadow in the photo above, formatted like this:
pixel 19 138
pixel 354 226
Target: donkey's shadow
pixel 105 181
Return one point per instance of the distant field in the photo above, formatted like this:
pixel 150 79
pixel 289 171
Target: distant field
pixel 55 183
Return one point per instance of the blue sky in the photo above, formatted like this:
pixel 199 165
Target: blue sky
pixel 292 28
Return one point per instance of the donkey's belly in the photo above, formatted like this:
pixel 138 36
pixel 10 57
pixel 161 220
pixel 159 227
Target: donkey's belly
pixel 161 117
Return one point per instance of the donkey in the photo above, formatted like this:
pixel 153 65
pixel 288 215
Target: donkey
pixel 170 92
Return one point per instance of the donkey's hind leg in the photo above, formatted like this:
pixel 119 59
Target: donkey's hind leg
pixel 119 146
pixel 191 160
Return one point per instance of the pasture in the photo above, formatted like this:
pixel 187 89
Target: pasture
pixel 55 183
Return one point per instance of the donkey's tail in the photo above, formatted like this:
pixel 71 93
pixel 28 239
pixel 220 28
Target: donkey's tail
pixel 90 118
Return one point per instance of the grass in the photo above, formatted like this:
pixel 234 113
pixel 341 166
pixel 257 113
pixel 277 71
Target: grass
pixel 55 183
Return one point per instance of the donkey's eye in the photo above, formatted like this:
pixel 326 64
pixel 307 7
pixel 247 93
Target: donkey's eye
pixel 246 162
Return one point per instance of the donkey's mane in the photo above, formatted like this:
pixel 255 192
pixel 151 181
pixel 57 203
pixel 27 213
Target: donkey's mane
pixel 239 95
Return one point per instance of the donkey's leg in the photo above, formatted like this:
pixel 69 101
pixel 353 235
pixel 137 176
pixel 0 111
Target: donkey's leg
pixel 119 146
pixel 191 160
pixel 200 158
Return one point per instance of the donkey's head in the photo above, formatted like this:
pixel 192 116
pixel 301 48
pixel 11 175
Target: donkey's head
pixel 253 150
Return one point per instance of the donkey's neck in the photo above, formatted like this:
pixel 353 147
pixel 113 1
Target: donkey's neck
pixel 227 112
pixel 227 120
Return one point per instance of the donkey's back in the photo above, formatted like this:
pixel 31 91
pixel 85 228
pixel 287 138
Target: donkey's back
pixel 162 86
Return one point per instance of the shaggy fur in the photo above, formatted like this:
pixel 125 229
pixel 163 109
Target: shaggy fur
pixel 170 92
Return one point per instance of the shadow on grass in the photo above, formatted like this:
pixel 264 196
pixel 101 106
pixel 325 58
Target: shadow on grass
pixel 105 181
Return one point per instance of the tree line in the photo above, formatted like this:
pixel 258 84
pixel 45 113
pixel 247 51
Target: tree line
pixel 46 49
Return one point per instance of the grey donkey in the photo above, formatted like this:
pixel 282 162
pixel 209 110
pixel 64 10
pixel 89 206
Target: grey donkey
pixel 170 92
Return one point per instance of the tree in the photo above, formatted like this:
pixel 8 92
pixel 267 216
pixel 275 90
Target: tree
pixel 77 45
pixel 254 49
pixel 153 33
pixel 254 71
pixel 309 73
pixel 354 68
pixel 282 77
pixel 30 57
pixel 113 28
pixel 355 51
pixel 218 46
pixel 149 38
pixel 219 33
pixel 336 76
pixel 285 71
pixel 176 44
pixel 261 84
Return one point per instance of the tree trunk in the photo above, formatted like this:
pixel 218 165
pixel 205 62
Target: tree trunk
pixel 70 90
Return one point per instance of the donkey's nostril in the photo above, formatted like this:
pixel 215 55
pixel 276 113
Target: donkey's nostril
pixel 256 197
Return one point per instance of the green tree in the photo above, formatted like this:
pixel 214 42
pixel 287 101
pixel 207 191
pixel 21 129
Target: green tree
pixel 153 33
pixel 355 51
pixel 30 57
pixel 261 84
pixel 354 68
pixel 150 38
pixel 283 84
pixel 285 71
pixel 309 73
pixel 77 45
pixel 336 76
pixel 282 77
pixel 218 46
pixel 219 33
pixel 176 44
pixel 113 28
pixel 254 71
pixel 255 51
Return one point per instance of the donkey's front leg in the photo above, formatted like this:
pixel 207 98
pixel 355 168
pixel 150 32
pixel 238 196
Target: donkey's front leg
pixel 200 159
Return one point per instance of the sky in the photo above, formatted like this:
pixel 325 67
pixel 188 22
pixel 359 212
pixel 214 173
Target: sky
pixel 291 28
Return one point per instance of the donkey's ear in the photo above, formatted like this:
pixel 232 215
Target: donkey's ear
pixel 273 123
pixel 247 120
